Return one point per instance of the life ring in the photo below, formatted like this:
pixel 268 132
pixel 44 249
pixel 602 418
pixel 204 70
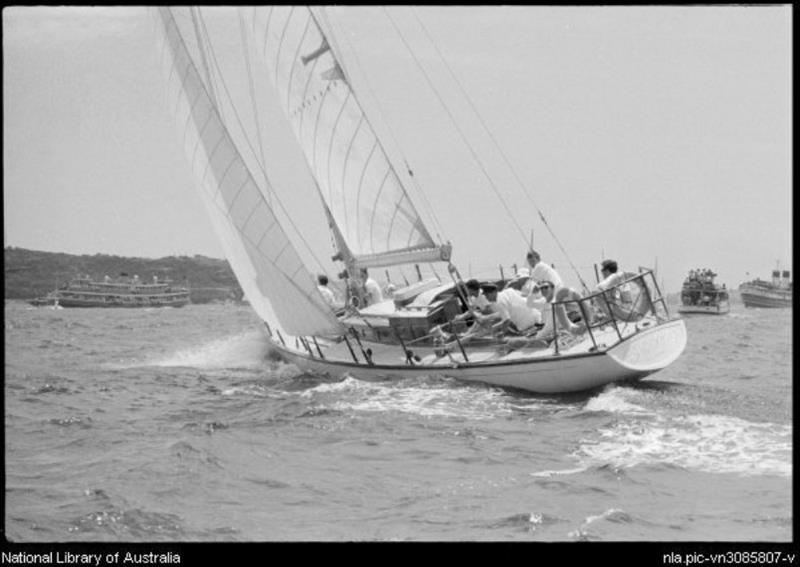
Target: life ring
pixel 622 306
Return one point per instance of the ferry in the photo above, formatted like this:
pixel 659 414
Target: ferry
pixel 701 295
pixel 774 294
pixel 84 291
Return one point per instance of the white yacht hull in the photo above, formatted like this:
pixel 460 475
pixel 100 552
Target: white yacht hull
pixel 575 369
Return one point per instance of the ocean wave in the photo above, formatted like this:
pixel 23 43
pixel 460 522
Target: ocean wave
pixel 615 399
pixel 426 397
pixel 134 523
pixel 242 351
pixel 708 443
pixel 526 521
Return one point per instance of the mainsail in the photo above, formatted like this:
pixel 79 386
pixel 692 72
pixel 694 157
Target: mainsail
pixel 356 179
pixel 266 263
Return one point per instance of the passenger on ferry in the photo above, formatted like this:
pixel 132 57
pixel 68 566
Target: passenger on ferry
pixel 373 290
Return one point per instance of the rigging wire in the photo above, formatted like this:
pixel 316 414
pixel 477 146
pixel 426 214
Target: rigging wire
pixel 455 123
pixel 466 96
pixel 223 83
pixel 357 61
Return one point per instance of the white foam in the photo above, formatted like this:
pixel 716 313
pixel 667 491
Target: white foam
pixel 709 443
pixel 416 398
pixel 614 400
pixel 560 472
pixel 610 513
pixel 245 350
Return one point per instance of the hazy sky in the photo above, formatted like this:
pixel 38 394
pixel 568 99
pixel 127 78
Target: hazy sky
pixel 645 134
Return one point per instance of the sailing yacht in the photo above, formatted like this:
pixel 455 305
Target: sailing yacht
pixel 627 331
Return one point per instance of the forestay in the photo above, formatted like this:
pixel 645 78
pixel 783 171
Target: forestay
pixel 362 190
pixel 265 262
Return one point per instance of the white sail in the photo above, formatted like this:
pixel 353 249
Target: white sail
pixel 363 192
pixel 265 262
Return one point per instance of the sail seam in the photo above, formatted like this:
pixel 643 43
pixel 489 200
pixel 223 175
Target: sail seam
pixel 391 227
pixel 187 122
pixel 305 102
pixel 224 175
pixel 200 143
pixel 182 81
pixel 252 213
pixel 331 145
pixel 283 249
pixel 347 162
pixel 361 182
pixel 210 157
pixel 280 43
pixel 314 138
pixel 294 64
pixel 374 209
pixel 266 28
pixel 265 232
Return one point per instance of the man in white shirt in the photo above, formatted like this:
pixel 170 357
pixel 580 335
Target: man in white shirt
pixel 508 306
pixel 539 271
pixel 326 292
pixel 608 269
pixel 552 295
pixel 373 290
pixel 477 300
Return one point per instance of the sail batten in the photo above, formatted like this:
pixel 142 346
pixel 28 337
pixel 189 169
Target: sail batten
pixel 265 261
pixel 355 176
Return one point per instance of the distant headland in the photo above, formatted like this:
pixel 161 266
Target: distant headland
pixel 33 273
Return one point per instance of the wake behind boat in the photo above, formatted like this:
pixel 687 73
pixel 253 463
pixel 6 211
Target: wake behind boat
pixel 626 331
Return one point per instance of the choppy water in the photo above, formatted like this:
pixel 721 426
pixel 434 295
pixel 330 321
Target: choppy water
pixel 170 425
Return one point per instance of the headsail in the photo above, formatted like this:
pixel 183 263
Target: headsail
pixel 361 188
pixel 266 263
